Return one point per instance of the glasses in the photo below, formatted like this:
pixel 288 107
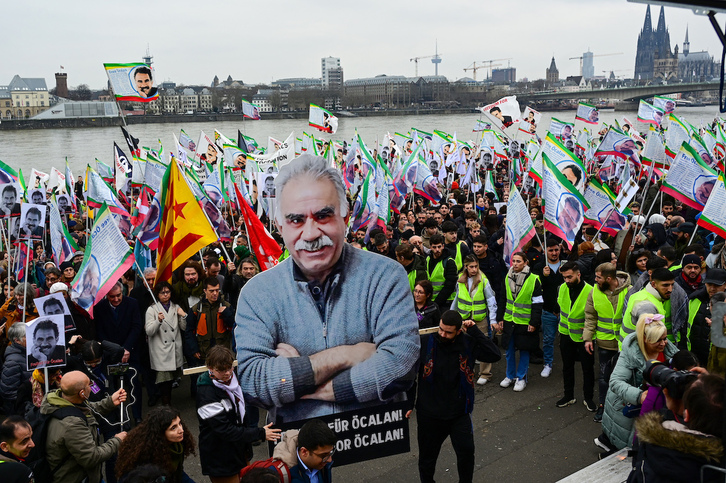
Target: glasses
pixel 324 456
pixel 165 292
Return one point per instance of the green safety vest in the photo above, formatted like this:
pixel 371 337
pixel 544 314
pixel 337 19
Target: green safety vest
pixel 474 308
pixel 609 320
pixel 572 317
pixel 285 254
pixel 412 279
pixel 437 276
pixel 674 268
pixel 519 310
pixel 458 258
pixel 693 307
pixel 628 326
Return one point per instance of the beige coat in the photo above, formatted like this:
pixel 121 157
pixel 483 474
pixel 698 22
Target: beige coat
pixel 591 314
pixel 165 337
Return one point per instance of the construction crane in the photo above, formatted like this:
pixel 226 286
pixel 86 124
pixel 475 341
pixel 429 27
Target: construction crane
pixel 598 55
pixel 474 67
pixel 416 59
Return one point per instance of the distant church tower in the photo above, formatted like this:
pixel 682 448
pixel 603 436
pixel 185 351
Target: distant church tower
pixel 553 75
pixel 686 44
pixel 652 45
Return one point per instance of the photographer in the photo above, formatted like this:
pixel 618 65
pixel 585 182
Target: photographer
pixel 625 393
pixel 675 451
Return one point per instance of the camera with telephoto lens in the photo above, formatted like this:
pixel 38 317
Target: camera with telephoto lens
pixel 660 375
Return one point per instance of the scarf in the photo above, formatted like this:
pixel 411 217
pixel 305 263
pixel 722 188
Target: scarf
pixel 516 280
pixel 693 285
pixel 37 382
pixel 234 392
pixel 466 375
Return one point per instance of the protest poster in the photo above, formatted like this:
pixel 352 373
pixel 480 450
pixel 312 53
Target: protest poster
pixel 666 104
pixel 503 113
pixel 677 134
pixel 530 121
pixel 62 244
pixel 480 126
pixel 99 192
pixel 266 181
pixel 650 114
pixel 206 151
pixel 106 258
pixel 250 111
pixel 619 144
pixel 689 179
pixel 565 161
pixel 132 82
pixel 32 221
pixel 37 196
pixel 322 119
pixel 587 113
pixel 123 167
pixel 714 216
pixel 234 157
pixel 654 151
pixel 55 304
pixel 280 155
pixel 564 204
pixel 602 212
pixel 366 434
pixel 561 129
pixel 519 228
pixel 45 342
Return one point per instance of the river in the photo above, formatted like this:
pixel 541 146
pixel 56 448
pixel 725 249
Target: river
pixel 42 149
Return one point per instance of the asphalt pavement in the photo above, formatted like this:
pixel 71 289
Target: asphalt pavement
pixel 518 436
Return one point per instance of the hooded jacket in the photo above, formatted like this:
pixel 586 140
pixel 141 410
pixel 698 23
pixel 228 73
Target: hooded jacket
pixel 591 314
pixel 670 452
pixel 13 371
pixel 82 440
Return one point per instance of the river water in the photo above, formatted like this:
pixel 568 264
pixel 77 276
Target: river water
pixel 44 148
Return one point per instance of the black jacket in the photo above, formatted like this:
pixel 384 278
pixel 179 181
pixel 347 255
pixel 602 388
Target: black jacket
pixel 123 328
pixel 550 287
pixel 492 266
pixel 14 371
pixel 225 445
pixel 700 337
pixel 429 316
pixel 442 397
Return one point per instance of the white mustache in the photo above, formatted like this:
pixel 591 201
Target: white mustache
pixel 314 245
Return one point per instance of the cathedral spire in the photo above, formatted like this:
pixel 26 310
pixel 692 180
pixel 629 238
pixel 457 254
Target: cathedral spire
pixel 647 25
pixel 686 44
pixel 661 20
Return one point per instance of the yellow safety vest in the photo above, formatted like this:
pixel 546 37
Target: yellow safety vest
pixel 628 326
pixel 609 320
pixel 519 310
pixel 572 317
pixel 474 308
pixel 436 277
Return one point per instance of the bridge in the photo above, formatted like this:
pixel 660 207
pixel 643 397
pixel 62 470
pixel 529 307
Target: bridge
pixel 622 93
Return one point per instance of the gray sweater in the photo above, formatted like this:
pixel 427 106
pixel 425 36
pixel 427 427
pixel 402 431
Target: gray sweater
pixel 369 300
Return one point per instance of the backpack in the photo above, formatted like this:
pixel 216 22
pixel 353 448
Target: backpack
pixel 37 459
pixel 273 465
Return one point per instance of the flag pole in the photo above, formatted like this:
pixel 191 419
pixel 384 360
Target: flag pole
pixel 25 282
pixel 692 235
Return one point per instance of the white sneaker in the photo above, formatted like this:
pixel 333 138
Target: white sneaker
pixel 506 382
pixel 481 381
pixel 546 371
pixel 520 385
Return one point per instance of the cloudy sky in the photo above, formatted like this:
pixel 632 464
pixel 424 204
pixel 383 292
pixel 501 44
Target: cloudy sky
pixel 257 42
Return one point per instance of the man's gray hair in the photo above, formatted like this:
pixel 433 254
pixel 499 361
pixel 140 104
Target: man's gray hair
pixel 16 331
pixel 148 271
pixel 317 168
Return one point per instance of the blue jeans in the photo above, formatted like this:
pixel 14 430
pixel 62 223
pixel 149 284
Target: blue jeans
pixel 549 332
pixel 521 370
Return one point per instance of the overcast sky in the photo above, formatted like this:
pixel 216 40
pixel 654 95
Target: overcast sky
pixel 257 42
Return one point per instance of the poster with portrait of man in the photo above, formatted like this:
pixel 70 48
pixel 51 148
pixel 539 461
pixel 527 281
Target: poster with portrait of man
pixel 650 114
pixel 667 104
pixel 503 113
pixel 65 205
pixel 266 180
pixel 37 196
pixel 10 199
pixel 32 221
pixel 690 179
pixel 45 342
pixel 206 150
pixel 55 304
pixel 530 121
pixel 132 82
pixel 619 144
pixel 561 129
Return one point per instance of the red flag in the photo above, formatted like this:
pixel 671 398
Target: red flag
pixel 265 248
pixel 141 209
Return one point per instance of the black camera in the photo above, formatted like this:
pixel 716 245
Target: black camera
pixel 660 375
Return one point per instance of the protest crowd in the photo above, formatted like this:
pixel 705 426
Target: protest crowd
pixel 300 280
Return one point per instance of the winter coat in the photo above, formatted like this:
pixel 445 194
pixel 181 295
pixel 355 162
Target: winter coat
pixel 225 445
pixel 13 373
pixel 670 452
pixel 700 333
pixel 625 388
pixel 165 337
pixel 587 270
pixel 590 330
pixel 82 440
pixel 429 316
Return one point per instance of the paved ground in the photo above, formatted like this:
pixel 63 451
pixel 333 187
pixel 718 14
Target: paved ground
pixel 518 436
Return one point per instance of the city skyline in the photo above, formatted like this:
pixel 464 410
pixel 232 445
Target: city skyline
pixel 378 39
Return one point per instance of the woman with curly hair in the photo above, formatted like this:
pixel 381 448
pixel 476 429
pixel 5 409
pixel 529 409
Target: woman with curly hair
pixel 161 438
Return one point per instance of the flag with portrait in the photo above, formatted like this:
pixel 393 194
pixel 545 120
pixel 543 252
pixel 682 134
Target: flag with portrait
pixel 564 205
pixel 132 82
